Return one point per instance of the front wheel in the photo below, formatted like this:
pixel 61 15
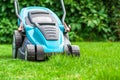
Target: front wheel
pixel 40 53
pixel 30 52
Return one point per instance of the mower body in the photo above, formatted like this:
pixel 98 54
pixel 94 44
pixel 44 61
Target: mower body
pixel 50 37
pixel 42 34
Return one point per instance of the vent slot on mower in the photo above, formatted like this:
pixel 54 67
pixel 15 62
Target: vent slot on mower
pixel 46 23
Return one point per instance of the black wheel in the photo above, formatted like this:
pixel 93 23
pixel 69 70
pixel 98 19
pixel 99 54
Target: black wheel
pixel 30 52
pixel 67 50
pixel 40 53
pixel 75 50
pixel 17 42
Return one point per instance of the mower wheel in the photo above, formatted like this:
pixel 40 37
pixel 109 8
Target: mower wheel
pixel 75 50
pixel 67 49
pixel 17 42
pixel 40 53
pixel 30 52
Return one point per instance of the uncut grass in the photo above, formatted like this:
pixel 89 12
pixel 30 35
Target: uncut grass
pixel 98 61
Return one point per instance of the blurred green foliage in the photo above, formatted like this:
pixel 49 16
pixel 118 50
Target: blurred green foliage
pixel 6 31
pixel 113 12
pixel 90 20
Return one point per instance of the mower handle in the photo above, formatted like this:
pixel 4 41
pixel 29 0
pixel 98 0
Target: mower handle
pixel 64 11
pixel 16 4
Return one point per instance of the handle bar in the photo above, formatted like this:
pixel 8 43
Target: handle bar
pixel 16 4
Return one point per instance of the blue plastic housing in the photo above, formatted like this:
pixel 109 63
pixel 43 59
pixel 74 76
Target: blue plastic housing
pixel 34 35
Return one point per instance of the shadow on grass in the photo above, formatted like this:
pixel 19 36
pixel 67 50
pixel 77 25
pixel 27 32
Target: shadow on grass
pixel 9 57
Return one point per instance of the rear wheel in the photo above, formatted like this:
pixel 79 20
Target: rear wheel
pixel 30 52
pixel 67 49
pixel 75 50
pixel 17 42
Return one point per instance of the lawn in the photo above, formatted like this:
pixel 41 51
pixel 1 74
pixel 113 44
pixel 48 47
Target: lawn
pixel 98 61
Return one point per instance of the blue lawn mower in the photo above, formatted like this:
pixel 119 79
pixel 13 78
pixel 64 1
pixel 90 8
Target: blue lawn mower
pixel 41 34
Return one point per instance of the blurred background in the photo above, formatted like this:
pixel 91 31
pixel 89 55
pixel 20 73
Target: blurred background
pixel 90 20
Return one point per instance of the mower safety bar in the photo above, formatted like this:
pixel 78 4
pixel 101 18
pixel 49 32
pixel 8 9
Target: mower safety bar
pixel 16 4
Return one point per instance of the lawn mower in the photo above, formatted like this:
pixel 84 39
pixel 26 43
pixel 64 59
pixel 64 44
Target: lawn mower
pixel 40 34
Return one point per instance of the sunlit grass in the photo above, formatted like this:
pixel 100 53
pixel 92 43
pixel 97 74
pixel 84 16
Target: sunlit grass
pixel 98 61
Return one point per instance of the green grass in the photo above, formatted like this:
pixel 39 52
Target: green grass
pixel 98 61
